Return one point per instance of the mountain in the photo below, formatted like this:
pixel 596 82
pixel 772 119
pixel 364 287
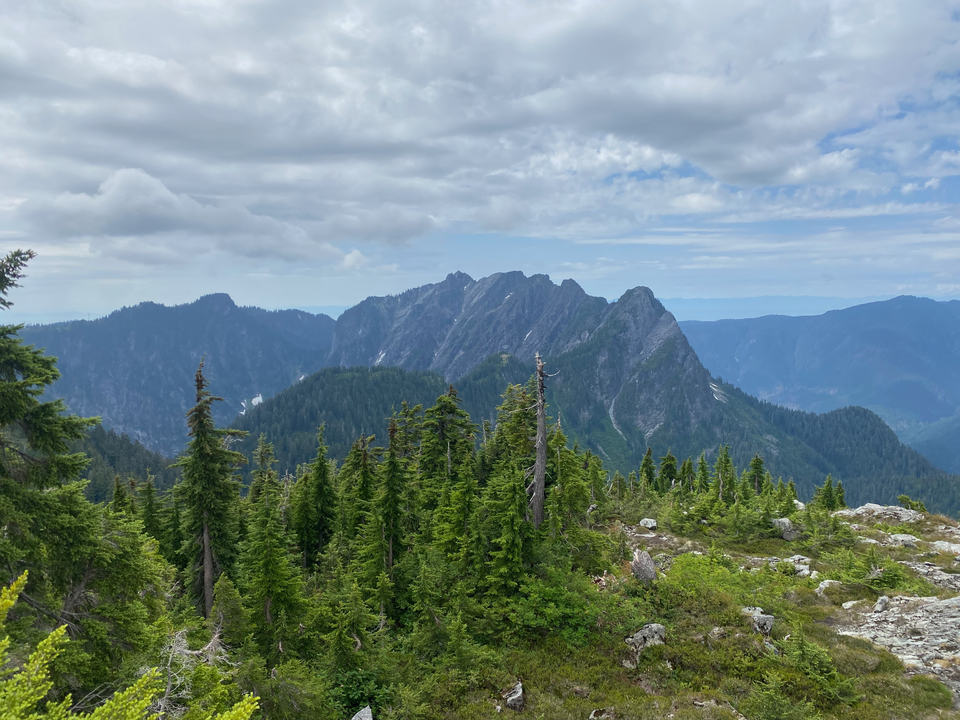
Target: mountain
pixel 450 327
pixel 111 454
pixel 135 367
pixel 899 358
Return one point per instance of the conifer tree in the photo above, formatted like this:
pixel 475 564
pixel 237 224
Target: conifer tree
pixel 357 482
pixel 667 475
pixel 839 496
pixel 149 514
pixel 446 442
pixel 272 580
pixel 703 475
pixel 757 473
pixel 508 506
pixel 314 506
pixel 210 494
pixel 34 435
pixel 121 501
pixel 648 471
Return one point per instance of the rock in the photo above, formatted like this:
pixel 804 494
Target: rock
pixel 904 540
pixel 801 571
pixel 786 529
pixel 822 587
pixel 717 633
pixel 762 623
pixel 881 604
pixel 643 567
pixel 799 560
pixel 649 523
pixel 867 541
pixel 947 547
pixel 603 714
pixel 882 512
pixel 649 635
pixel 850 603
pixel 814 575
pixel 513 698
pixel 799 505
pixel 365 714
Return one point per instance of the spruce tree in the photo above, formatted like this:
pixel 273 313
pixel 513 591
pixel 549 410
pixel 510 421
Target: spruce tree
pixel 210 493
pixel 446 443
pixel 313 507
pixel 667 475
pixel 757 473
pixel 507 506
pixel 357 482
pixel 121 501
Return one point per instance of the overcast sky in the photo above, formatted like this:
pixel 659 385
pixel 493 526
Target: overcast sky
pixel 309 153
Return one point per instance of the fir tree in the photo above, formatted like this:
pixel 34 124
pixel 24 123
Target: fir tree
pixel 648 470
pixel 667 475
pixel 121 501
pixel 272 581
pixel 314 506
pixel 149 513
pixel 507 505
pixel 210 493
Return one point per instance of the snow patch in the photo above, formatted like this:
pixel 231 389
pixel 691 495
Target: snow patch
pixel 527 335
pixel 257 400
pixel 718 393
pixel 380 357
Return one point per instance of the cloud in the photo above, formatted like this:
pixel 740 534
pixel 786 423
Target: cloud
pixel 364 135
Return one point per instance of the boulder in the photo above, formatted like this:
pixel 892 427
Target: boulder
pixel 882 512
pixel 904 540
pixel 786 529
pixel 649 635
pixel 649 523
pixel 850 604
pixel 947 547
pixel 762 623
pixel 801 570
pixel 643 567
pixel 881 604
pixel 365 714
pixel 822 587
pixel 513 698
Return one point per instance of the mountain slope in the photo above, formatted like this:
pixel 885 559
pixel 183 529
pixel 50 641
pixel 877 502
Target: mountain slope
pixel 135 367
pixel 900 358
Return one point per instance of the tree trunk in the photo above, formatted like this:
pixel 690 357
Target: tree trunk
pixel 538 487
pixel 207 571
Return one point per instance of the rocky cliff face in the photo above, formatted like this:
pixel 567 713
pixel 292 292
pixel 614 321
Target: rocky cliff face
pixel 135 367
pixel 452 326
pixel 625 362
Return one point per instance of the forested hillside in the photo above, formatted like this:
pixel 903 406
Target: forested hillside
pixel 852 444
pixel 897 358
pixel 133 367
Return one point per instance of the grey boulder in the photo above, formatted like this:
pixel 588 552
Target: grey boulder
pixel 643 567
pixel 513 698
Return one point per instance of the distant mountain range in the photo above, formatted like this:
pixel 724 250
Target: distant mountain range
pixel 628 377
pixel 134 368
pixel 899 358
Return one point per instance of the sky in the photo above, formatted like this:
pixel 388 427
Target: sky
pixel 305 154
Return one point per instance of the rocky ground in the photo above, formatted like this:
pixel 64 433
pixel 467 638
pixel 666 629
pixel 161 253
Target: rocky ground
pixel 923 632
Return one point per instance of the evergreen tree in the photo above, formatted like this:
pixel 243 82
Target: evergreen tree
pixel 648 471
pixel 149 513
pixel 446 443
pixel 667 475
pixel 507 505
pixel 313 507
pixel 703 475
pixel 757 473
pixel 272 580
pixel 357 482
pixel 839 498
pixel 210 493
pixel 121 501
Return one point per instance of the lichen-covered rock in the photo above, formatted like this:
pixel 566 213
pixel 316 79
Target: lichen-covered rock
pixel 513 698
pixel 904 540
pixel 947 547
pixel 365 714
pixel 649 523
pixel 786 528
pixel 881 604
pixel 826 584
pixel 649 635
pixel 762 623
pixel 882 512
pixel 643 567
